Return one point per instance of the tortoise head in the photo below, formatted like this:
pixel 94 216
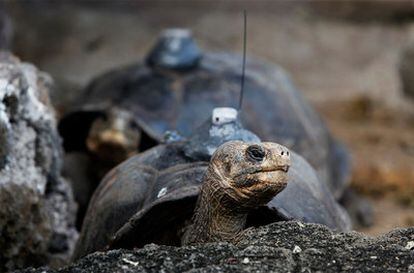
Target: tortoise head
pixel 113 137
pixel 251 173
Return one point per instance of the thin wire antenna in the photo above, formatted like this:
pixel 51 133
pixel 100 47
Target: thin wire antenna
pixel 244 60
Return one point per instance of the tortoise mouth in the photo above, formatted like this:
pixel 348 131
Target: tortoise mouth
pixel 280 168
pixel 260 179
pixel 283 168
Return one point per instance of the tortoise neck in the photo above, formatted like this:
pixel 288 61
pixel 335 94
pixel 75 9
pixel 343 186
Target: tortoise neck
pixel 217 216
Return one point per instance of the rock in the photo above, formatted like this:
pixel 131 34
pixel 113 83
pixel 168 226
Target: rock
pixel 278 247
pixel 37 209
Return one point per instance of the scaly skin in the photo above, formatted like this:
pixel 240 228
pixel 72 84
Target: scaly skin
pixel 240 177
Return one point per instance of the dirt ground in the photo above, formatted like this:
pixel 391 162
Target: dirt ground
pixel 347 69
pixel 381 142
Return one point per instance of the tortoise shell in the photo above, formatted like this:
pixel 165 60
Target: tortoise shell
pixel 178 87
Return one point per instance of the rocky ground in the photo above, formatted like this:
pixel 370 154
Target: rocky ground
pixel 279 247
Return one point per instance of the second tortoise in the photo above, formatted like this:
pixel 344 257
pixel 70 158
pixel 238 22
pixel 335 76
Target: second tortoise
pixel 175 89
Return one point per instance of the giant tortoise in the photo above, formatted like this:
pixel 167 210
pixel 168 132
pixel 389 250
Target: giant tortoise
pixel 130 109
pixel 150 198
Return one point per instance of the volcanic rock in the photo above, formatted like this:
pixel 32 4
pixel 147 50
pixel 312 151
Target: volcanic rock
pixel 37 208
pixel 278 247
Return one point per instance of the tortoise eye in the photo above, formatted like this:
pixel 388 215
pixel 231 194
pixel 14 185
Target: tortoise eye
pixel 255 153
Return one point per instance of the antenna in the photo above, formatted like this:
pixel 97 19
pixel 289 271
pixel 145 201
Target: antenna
pixel 244 60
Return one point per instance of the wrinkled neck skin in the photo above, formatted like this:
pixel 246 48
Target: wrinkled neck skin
pixel 218 217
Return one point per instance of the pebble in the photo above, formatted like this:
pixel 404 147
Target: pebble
pixel 410 245
pixel 297 249
pixel 130 262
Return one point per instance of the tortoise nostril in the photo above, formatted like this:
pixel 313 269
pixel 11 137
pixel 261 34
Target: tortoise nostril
pixel 285 153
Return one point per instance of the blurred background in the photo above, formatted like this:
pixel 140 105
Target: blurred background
pixel 353 61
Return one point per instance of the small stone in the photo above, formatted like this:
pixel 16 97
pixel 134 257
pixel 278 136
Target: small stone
pixel 300 224
pixel 373 257
pixel 297 249
pixel 410 245
pixel 246 261
pixel 130 262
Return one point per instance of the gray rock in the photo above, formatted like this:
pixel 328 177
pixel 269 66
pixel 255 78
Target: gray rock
pixel 37 208
pixel 278 247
